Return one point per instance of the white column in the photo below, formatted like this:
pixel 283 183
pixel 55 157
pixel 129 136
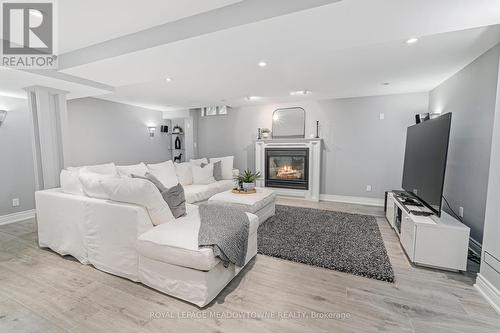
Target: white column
pixel 49 134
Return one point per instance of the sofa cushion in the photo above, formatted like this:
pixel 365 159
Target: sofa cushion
pixel 165 172
pixel 70 182
pixel 174 196
pixel 203 175
pixel 227 165
pixel 199 161
pixel 177 242
pixel 91 183
pixel 217 170
pixel 196 193
pixel 137 169
pixel 102 169
pixel 184 173
pixel 140 192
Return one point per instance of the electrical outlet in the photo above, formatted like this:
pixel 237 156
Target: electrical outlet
pixel 15 202
pixel 382 116
pixel 368 188
pixel 461 211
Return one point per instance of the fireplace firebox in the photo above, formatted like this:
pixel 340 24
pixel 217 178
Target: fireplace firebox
pixel 287 168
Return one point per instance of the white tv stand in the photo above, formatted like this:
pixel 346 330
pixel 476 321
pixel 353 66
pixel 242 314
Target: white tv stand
pixel 439 242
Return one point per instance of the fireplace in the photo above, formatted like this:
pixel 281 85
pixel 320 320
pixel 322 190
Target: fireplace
pixel 287 168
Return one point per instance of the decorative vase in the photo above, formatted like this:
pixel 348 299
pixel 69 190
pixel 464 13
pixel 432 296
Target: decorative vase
pixel 177 143
pixel 265 135
pixel 248 186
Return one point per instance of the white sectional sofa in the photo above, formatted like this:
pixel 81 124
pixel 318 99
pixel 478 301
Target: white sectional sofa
pixel 121 239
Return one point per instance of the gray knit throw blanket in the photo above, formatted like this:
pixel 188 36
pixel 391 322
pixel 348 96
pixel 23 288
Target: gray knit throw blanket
pixel 225 229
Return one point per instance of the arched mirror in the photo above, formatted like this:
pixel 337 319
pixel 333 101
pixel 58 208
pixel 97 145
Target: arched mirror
pixel 289 123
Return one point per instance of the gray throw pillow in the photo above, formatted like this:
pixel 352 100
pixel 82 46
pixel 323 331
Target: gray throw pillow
pixel 217 170
pixel 174 196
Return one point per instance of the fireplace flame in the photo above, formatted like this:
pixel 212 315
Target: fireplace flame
pixel 288 172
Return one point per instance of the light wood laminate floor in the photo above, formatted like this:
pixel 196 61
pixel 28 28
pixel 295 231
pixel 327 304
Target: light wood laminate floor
pixel 41 291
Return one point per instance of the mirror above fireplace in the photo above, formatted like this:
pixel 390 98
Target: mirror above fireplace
pixel 289 123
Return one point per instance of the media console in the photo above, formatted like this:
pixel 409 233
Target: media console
pixel 439 242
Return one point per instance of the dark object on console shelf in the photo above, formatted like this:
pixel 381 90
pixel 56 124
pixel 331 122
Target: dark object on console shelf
pixel 177 143
pixel 164 128
pixel 178 158
pixel 421 117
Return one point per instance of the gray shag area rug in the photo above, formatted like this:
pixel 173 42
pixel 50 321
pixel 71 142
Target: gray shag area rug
pixel 344 242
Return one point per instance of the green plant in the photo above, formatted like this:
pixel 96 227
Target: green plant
pixel 247 176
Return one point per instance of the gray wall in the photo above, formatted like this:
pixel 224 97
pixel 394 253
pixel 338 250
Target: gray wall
pixel 360 149
pixel 16 162
pixel 492 222
pixel 103 131
pixel 470 95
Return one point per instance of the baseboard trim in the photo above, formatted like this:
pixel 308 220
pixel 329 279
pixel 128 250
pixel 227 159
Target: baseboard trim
pixel 352 200
pixel 488 291
pixel 17 217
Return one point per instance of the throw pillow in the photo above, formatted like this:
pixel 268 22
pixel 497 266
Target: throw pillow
pixel 91 184
pixel 127 170
pixel 102 169
pixel 217 170
pixel 227 166
pixel 199 161
pixel 184 173
pixel 174 196
pixel 165 172
pixel 140 192
pixel 203 176
pixel 70 182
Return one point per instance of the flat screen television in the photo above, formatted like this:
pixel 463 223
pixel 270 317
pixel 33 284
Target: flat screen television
pixel 425 160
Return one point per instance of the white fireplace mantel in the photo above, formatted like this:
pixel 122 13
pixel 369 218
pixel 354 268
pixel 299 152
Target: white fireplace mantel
pixel 315 149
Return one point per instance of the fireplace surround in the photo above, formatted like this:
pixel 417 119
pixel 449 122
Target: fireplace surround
pixel 287 168
pixel 306 177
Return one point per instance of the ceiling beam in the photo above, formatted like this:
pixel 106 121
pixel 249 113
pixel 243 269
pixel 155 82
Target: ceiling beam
pixel 241 13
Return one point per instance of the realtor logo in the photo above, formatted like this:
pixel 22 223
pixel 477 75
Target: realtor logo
pixel 28 35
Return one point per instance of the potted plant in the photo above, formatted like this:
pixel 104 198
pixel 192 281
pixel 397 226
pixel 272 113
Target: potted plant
pixel 265 133
pixel 247 179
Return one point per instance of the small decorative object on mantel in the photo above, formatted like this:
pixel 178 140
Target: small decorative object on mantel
pixel 259 134
pixel 266 132
pixel 246 180
pixel 177 130
pixel 164 128
pixel 317 129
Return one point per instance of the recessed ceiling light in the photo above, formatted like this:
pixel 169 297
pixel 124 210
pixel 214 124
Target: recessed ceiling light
pixel 168 79
pixel 386 83
pixel 300 93
pixel 262 64
pixel 252 98
pixel 412 40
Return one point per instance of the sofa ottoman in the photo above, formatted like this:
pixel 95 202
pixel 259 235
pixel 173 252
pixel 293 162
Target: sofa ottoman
pixel 261 203
pixel 171 261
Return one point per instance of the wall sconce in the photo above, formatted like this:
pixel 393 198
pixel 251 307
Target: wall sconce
pixel 152 130
pixel 3 115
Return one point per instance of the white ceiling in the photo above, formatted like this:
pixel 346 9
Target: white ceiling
pixel 86 22
pixel 12 83
pixel 342 49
